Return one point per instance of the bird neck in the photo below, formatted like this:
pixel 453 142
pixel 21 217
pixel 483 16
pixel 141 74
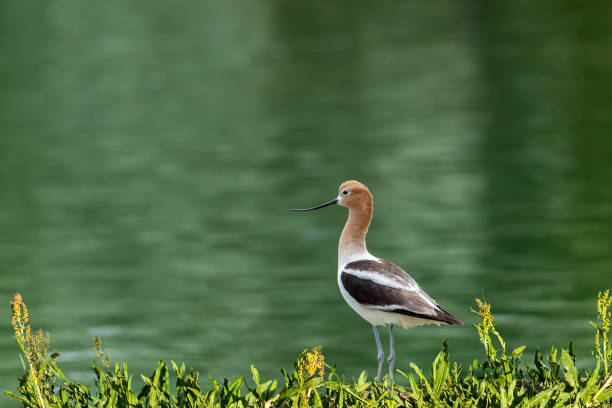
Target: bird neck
pixel 352 241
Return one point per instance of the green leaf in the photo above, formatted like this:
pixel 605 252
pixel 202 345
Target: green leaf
pixel 289 392
pixel 540 399
pixel 591 386
pixel 440 372
pixel 417 392
pixel 571 374
pixel 605 396
pixel 255 374
pixel 17 397
pixel 316 399
pixel 146 380
pixel 362 378
pixel 348 391
pixel 517 351
pixel 422 377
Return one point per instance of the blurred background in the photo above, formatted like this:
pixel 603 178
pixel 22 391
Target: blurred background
pixel 150 151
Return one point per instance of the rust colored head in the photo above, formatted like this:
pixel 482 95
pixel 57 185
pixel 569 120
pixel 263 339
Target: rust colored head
pixel 354 195
pixel 351 194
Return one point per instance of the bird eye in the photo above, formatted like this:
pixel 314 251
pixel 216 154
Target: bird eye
pixel 344 192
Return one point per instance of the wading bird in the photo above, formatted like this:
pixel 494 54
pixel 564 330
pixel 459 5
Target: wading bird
pixel 378 290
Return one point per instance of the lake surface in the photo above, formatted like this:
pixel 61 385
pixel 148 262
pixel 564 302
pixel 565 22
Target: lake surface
pixel 149 154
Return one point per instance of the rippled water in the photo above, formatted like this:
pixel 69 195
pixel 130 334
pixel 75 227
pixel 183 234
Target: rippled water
pixel 149 153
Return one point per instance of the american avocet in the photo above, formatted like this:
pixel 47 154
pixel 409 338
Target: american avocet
pixel 378 290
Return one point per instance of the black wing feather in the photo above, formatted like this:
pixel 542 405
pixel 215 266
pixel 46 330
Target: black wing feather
pixel 414 303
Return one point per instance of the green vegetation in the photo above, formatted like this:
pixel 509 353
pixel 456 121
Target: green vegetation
pixel 503 379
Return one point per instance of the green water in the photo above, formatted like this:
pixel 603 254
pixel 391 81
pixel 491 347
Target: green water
pixel 149 152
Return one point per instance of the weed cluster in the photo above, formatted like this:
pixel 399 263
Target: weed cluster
pixel 502 380
pixel 603 352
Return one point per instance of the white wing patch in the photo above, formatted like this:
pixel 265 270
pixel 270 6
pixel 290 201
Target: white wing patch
pixel 383 279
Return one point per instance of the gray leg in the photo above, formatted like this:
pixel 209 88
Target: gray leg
pixel 381 354
pixel 391 358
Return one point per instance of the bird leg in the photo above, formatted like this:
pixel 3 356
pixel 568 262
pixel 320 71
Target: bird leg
pixel 381 354
pixel 391 359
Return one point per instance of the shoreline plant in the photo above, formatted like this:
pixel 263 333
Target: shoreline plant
pixel 503 379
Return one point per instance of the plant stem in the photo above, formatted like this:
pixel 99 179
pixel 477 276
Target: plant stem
pixel 603 387
pixel 33 374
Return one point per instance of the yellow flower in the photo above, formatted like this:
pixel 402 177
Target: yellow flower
pixel 601 347
pixel 311 361
pixel 486 325
pixel 20 319
pixel 314 361
pixel 34 347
